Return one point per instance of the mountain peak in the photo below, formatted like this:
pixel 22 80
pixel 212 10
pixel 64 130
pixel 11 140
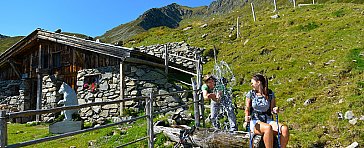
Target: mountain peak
pixel 3 36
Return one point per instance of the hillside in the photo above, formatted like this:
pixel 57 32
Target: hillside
pixel 168 16
pixel 7 42
pixel 308 53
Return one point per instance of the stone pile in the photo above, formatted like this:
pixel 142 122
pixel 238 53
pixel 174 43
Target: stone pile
pixel 176 48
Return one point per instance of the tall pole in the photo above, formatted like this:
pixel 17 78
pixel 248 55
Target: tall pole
pixel 237 27
pixel 3 129
pixel 253 12
pixel 39 83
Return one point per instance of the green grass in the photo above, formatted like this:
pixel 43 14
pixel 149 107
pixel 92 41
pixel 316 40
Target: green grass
pixel 5 43
pixel 293 50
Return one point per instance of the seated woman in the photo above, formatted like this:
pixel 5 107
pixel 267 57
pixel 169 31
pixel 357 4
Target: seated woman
pixel 260 101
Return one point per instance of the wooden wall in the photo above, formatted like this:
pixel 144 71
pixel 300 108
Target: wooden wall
pixel 56 59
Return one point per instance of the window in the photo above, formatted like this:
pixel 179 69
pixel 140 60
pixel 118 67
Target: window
pixel 91 83
pixel 57 60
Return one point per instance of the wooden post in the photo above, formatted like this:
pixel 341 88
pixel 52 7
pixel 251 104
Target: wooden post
pixel 39 82
pixel 149 110
pixel 294 3
pixel 253 12
pixel 196 103
pixel 237 27
pixel 122 88
pixel 275 5
pixel 166 59
pixel 3 129
pixel 199 84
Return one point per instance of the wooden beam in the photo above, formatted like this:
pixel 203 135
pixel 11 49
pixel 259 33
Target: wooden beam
pixel 39 83
pixel 122 87
pixel 14 68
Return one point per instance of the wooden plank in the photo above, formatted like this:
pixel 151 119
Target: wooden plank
pixel 122 88
pixel 58 109
pixel 39 83
pixel 15 69
pixel 166 59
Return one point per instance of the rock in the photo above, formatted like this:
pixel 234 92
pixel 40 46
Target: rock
pixel 329 62
pixel 187 28
pixel 353 121
pixel 289 100
pixel 353 145
pixel 203 26
pixel 104 113
pixel 72 146
pixel 349 115
pixel 104 86
pixel 106 76
pixel 274 16
pixel 340 115
pixel 116 119
pixel 204 35
pixel 110 106
pixel 341 101
pixel 361 118
pixel 130 83
pixel 309 101
pixel 80 83
pixel 96 109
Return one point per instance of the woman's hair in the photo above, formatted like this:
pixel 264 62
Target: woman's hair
pixel 208 77
pixel 263 88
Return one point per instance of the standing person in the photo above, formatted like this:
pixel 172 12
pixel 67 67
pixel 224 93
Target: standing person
pixel 209 93
pixel 260 101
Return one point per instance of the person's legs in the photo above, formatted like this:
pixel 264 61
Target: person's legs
pixel 215 107
pixel 266 130
pixel 283 131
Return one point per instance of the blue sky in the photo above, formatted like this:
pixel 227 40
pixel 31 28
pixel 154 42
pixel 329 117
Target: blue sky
pixel 90 17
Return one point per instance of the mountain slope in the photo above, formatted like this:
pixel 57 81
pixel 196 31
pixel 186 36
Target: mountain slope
pixel 7 42
pixel 168 16
pixel 311 53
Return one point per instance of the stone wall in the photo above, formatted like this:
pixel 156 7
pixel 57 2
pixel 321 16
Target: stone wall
pixel 10 93
pixel 140 80
pixel 177 48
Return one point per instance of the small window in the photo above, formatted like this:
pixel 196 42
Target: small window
pixel 57 60
pixel 91 83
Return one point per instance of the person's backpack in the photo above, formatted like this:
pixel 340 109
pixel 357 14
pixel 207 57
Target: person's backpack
pixel 270 93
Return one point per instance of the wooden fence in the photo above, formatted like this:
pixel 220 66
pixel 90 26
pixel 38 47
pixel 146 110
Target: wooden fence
pixel 149 114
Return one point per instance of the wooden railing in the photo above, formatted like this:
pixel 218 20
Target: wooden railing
pixel 148 115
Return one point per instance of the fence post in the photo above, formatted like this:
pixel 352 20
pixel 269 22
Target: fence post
pixel 122 87
pixel 149 110
pixel 166 59
pixel 195 103
pixel 275 5
pixel 294 3
pixel 3 129
pixel 252 5
pixel 199 84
